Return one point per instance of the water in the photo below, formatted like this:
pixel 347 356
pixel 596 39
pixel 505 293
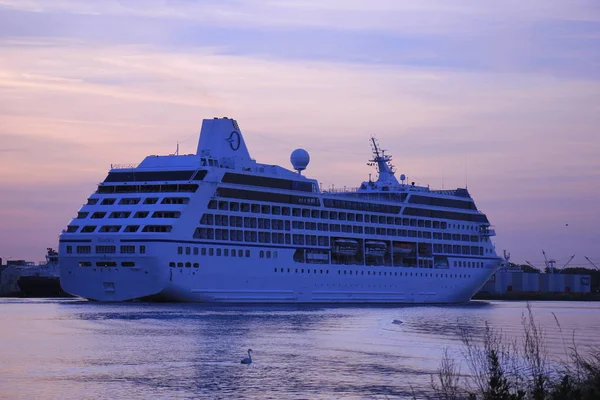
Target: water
pixel 71 349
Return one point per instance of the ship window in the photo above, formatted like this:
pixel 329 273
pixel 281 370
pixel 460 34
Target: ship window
pixel 129 200
pixel 85 264
pixel 141 214
pixel 276 210
pixel 72 228
pixel 166 214
pixel 142 249
pixel 108 202
pixel 110 228
pixel 196 265
pixel 175 200
pixel 119 214
pixel 234 206
pixel 268 254
pixel 131 228
pixel 127 264
pixel 261 254
pixel 172 264
pixel 88 228
pixel 203 251
pixel 91 202
pixel 81 215
pixel 188 264
pixel 84 249
pixel 180 264
pixel 225 252
pixel 241 253
pixel 188 250
pixel 195 251
pixel 69 249
pixel 151 200
pixel 106 264
pixel 106 249
pixel 245 207
pixel 211 252
pixel 207 219
pixel 219 252
pixel 157 228
pixel 223 205
pixel 212 205
pixel 98 215
pixel 127 249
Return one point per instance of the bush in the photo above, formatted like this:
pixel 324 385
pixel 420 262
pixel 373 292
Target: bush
pixel 501 368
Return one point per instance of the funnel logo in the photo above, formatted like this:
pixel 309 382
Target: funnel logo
pixel 234 140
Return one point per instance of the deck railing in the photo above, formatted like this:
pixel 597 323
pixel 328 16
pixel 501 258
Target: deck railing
pixel 123 166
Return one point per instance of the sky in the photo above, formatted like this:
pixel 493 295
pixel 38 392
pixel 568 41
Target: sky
pixel 503 97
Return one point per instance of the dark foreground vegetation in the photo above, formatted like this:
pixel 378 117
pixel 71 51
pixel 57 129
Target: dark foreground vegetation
pixel 501 368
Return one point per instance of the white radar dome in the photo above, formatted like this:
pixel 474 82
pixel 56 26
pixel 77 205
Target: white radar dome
pixel 299 159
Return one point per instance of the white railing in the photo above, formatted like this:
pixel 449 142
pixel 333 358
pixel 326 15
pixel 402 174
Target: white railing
pixel 341 190
pixel 123 166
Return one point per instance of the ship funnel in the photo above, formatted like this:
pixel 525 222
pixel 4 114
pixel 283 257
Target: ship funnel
pixel 221 138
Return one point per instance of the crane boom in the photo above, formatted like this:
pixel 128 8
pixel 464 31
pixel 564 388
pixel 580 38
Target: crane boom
pixel 568 262
pixel 531 265
pixel 590 261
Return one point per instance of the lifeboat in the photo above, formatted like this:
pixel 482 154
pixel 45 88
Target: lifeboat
pixel 345 247
pixel 375 248
pixel 403 248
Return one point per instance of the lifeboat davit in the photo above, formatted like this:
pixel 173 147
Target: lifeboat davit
pixel 403 248
pixel 345 247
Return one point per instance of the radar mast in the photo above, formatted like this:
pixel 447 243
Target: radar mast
pixel 384 164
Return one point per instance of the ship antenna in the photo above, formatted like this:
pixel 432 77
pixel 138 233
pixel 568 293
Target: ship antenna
pixel 466 175
pixel 177 151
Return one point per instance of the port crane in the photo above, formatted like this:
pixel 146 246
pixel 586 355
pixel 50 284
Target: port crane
pixel 549 263
pixel 590 261
pixel 569 262
pixel 531 265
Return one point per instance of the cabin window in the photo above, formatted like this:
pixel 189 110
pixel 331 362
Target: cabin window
pixel 127 249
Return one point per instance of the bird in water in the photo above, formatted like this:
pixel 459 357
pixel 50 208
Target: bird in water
pixel 247 360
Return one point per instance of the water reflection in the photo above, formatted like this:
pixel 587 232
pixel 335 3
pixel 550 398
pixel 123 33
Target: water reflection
pixel 137 350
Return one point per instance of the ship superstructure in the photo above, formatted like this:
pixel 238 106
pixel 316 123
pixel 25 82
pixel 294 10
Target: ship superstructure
pixel 217 226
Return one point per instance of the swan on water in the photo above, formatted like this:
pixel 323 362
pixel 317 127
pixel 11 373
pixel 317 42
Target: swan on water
pixel 247 360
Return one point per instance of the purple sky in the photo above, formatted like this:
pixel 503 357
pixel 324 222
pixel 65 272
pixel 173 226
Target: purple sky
pixel 507 91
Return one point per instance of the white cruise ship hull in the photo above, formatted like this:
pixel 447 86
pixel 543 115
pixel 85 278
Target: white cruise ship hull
pixel 255 280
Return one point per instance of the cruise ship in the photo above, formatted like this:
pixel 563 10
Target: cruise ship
pixel 218 226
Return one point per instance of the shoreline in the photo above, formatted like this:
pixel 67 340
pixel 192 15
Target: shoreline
pixel 545 296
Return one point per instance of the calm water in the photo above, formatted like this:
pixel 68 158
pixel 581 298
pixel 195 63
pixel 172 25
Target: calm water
pixel 69 349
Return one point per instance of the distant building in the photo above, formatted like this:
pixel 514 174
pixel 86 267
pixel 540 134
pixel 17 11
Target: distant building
pixel 509 281
pixel 9 275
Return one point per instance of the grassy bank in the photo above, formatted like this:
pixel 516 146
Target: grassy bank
pixel 501 368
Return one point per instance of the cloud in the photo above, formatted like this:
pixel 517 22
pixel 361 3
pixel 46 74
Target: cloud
pixel 442 85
